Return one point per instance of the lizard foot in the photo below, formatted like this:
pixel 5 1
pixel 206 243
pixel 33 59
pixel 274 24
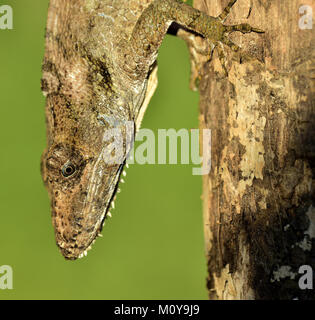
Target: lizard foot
pixel 243 27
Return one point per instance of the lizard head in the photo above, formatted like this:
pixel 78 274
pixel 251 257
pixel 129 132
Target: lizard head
pixel 81 182
pixel 81 188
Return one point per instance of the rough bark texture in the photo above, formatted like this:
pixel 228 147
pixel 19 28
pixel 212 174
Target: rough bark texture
pixel 259 201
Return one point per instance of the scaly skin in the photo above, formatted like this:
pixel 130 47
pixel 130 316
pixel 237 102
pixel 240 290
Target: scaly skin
pixel 99 71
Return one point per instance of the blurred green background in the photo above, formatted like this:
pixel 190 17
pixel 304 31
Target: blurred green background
pixel 153 247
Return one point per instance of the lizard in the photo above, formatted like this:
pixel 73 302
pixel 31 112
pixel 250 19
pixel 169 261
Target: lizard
pixel 100 64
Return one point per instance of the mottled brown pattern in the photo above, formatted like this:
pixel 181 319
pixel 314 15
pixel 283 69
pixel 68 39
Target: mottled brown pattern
pixel 259 198
pixel 100 63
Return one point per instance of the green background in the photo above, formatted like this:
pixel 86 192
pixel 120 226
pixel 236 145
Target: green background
pixel 153 247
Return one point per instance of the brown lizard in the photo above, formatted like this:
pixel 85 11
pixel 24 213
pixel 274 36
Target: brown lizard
pixel 99 71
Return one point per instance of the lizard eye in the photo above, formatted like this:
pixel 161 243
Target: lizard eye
pixel 68 169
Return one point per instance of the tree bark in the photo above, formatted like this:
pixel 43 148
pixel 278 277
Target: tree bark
pixel 259 200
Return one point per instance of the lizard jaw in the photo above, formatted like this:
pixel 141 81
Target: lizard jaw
pixel 79 249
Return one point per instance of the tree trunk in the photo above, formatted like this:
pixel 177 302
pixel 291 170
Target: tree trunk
pixel 259 210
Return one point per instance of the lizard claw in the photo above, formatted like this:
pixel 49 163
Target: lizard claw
pixel 257 30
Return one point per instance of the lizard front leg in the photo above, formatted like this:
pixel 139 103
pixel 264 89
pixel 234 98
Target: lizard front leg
pixel 141 51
